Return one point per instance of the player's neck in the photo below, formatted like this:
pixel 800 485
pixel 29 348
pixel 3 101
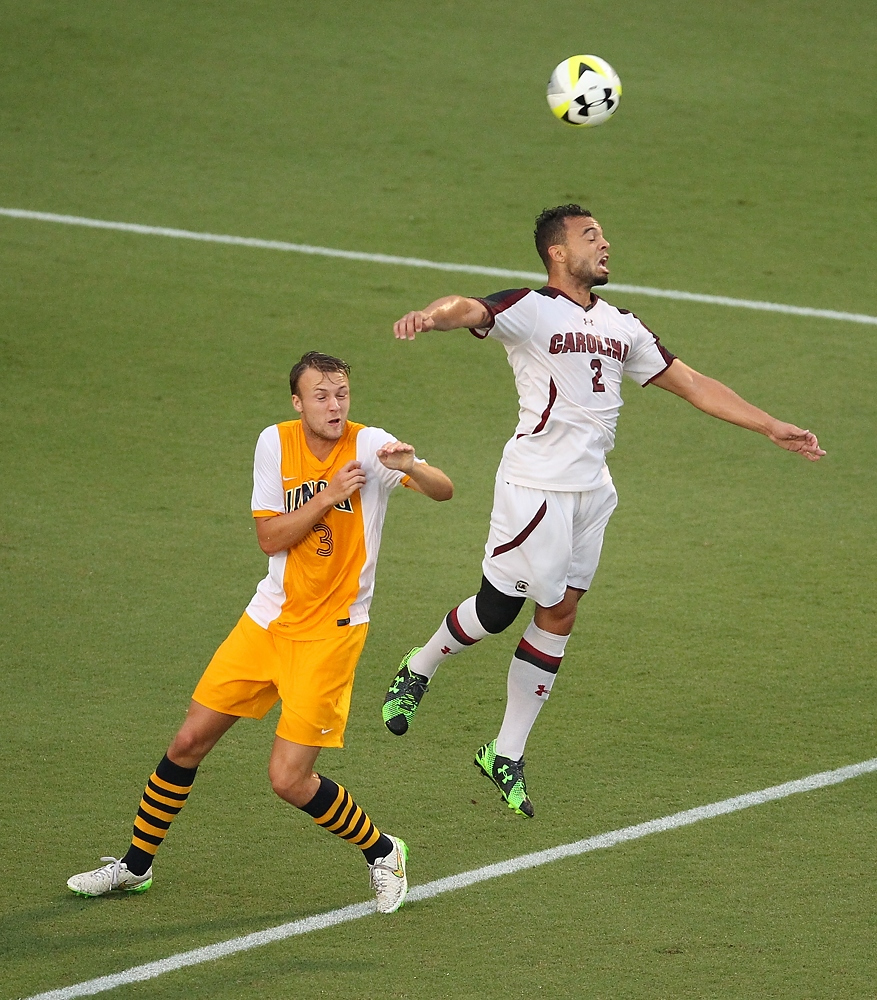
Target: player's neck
pixel 321 448
pixel 575 290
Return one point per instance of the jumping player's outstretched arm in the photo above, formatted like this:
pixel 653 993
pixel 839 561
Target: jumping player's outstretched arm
pixel 718 400
pixel 453 312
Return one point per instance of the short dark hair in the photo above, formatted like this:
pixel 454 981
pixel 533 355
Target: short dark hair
pixel 319 362
pixel 551 227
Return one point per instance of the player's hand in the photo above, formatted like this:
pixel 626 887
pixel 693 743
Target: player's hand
pixel 397 455
pixel 411 324
pixel 795 439
pixel 346 481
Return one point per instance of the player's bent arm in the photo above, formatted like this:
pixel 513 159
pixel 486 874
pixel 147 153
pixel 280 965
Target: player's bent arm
pixel 430 481
pixel 453 312
pixel 718 400
pixel 423 478
pixel 285 531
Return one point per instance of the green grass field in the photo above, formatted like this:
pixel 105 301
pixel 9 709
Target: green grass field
pixel 727 644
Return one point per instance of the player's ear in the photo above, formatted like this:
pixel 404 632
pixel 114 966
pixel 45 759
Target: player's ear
pixel 557 253
pixel 296 402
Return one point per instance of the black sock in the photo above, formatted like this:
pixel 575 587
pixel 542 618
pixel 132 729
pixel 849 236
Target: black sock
pixel 165 795
pixel 333 808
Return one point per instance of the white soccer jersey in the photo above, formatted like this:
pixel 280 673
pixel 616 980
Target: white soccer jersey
pixel 568 362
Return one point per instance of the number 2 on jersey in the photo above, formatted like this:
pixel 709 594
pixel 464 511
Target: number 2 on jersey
pixel 597 366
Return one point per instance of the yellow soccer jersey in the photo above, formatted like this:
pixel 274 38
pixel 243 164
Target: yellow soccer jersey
pixel 326 581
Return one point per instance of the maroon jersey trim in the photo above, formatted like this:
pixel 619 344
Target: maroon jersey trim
pixel 661 372
pixel 556 293
pixel 546 413
pixel 522 536
pixel 496 303
pixel 665 354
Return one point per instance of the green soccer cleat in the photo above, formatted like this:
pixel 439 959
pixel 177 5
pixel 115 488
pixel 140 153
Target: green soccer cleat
pixel 404 696
pixel 507 775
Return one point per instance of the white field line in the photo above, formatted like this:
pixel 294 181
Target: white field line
pixel 333 918
pixel 435 265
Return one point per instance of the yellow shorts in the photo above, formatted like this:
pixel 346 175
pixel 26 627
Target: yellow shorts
pixel 313 679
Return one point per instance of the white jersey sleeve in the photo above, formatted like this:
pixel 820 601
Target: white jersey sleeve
pixel 379 482
pixel 647 357
pixel 510 326
pixel 369 440
pixel 268 493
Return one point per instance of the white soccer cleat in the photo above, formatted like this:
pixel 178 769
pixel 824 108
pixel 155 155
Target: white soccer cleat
pixel 114 875
pixel 389 878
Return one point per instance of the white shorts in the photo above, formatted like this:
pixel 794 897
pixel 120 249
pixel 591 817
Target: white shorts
pixel 543 541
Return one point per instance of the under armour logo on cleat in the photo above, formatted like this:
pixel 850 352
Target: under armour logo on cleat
pixel 446 650
pixel 541 690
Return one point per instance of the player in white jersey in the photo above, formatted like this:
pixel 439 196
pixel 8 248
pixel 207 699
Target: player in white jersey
pixel 569 350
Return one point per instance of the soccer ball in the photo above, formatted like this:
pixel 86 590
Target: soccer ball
pixel 584 91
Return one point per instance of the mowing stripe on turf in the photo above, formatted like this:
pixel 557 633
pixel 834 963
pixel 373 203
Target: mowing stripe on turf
pixel 333 918
pixel 435 265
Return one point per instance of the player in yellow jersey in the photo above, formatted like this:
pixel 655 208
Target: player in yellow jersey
pixel 320 490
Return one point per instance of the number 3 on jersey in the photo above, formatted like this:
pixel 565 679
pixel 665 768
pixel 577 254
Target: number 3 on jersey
pixel 326 545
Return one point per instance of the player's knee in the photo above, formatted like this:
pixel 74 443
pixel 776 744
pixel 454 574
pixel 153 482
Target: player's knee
pixel 189 748
pixel 282 784
pixel 291 786
pixel 559 623
pixel 561 618
pixel 495 610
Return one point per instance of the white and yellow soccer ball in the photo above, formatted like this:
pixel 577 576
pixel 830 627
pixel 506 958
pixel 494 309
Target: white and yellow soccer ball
pixel 584 91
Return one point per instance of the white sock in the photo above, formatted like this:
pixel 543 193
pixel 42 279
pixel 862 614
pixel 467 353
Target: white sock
pixel 531 677
pixel 460 630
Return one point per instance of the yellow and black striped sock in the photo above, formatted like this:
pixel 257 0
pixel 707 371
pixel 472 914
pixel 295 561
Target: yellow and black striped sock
pixel 164 796
pixel 334 809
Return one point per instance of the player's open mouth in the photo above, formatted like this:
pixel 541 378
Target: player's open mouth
pixel 604 263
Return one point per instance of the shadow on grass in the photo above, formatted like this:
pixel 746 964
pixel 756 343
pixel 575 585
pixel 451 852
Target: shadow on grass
pixel 52 931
